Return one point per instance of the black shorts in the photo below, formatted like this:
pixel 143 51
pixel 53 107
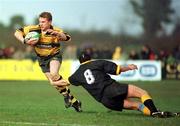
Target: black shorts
pixel 45 60
pixel 114 95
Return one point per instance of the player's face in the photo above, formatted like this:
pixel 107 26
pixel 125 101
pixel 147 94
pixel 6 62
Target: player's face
pixel 44 23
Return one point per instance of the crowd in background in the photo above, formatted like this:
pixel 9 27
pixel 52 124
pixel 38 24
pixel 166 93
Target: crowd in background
pixel 71 52
pixel 19 54
pixel 170 60
pixel 145 53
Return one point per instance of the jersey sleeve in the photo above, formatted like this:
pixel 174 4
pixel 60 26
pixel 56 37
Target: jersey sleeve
pixel 111 68
pixel 73 81
pixel 61 31
pixel 21 30
pixel 26 29
pixel 67 36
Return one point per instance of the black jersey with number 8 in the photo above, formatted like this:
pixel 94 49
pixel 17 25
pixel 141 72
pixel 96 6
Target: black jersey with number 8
pixel 94 76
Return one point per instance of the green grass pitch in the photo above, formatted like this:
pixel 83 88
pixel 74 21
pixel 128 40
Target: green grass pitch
pixel 37 103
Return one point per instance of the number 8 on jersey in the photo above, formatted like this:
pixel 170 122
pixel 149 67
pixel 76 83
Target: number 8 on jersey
pixel 89 76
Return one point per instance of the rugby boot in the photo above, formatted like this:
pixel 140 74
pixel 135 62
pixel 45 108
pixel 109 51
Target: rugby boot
pixel 77 106
pixel 160 114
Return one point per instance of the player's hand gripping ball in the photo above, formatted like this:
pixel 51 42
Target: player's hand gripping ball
pixel 32 38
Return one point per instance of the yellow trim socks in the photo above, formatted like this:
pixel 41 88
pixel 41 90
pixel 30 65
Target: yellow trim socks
pixel 144 109
pixel 145 97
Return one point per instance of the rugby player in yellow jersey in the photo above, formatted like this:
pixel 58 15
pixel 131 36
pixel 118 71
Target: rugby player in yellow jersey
pixel 48 54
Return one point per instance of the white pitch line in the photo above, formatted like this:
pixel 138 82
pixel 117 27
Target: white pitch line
pixel 28 123
pixel 42 124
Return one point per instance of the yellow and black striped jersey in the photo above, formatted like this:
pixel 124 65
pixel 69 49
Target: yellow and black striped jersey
pixel 47 44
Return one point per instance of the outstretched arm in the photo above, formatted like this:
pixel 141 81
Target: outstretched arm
pixel 129 67
pixel 61 35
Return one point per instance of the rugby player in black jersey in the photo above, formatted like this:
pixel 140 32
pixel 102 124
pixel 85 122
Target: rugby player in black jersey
pixel 94 76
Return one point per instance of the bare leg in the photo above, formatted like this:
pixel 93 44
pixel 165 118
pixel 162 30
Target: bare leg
pixel 54 69
pixel 55 79
pixel 136 92
pixel 134 105
pixel 131 105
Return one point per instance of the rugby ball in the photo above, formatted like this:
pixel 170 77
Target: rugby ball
pixel 32 35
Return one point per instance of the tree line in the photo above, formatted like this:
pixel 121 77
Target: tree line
pixel 155 14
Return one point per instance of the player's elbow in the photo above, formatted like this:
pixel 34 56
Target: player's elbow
pixel 15 34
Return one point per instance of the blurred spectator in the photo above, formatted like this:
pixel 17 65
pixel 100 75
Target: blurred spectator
pixel 133 55
pixel 86 47
pixel 171 60
pixel 177 53
pixel 29 53
pixel 18 54
pixel 8 52
pixel 152 55
pixel 105 53
pixel 145 52
pixel 89 50
pixel 1 53
pixel 171 68
pixel 70 52
pixel 119 54
pixel 162 55
pixel 95 53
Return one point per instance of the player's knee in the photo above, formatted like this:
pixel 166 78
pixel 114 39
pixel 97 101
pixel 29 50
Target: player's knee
pixel 144 92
